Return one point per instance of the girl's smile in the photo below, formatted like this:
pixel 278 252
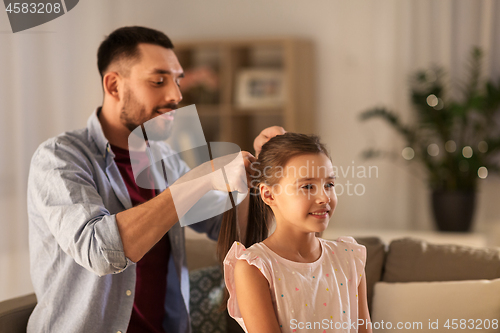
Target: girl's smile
pixel 321 215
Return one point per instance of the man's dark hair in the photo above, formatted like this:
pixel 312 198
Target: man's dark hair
pixel 122 44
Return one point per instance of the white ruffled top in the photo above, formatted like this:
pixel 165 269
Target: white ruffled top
pixel 321 296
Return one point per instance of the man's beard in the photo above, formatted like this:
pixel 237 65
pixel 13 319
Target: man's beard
pixel 158 128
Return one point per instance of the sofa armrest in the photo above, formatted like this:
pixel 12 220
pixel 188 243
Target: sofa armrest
pixel 375 260
pixel 14 313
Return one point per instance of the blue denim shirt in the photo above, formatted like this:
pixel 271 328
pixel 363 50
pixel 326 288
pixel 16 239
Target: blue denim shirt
pixel 82 279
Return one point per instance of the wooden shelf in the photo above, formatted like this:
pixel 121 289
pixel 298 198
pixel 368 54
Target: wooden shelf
pixel 267 111
pixel 208 109
pixel 228 121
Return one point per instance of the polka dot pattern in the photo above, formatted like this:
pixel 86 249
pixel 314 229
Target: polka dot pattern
pixel 326 288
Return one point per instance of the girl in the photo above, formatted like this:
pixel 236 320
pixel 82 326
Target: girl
pixel 293 281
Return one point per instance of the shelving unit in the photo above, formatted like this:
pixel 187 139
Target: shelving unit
pixel 223 119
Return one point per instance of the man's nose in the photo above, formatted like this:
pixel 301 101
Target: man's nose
pixel 173 94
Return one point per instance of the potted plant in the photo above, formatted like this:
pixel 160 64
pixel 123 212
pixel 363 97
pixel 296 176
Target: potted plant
pixel 456 140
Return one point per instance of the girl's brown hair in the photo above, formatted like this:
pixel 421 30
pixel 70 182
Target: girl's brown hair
pixel 274 155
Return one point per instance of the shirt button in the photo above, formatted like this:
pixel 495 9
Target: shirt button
pixel 119 332
pixel 128 292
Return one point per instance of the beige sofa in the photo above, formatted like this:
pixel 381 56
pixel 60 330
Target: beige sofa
pixel 401 261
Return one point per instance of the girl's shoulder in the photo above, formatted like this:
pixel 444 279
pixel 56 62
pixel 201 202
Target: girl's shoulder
pixel 340 240
pixel 256 255
pixel 344 244
pixel 345 253
pixel 253 250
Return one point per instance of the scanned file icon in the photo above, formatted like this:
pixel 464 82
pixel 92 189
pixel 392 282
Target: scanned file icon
pixel 156 149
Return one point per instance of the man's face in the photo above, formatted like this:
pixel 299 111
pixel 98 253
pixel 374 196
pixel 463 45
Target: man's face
pixel 151 90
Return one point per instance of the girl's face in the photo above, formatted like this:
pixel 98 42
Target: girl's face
pixel 304 198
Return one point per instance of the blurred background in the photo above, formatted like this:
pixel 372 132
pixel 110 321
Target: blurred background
pixel 309 66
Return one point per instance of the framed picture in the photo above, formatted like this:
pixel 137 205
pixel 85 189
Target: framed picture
pixel 260 88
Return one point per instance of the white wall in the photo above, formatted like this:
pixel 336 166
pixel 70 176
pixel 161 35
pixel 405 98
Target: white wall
pixel 365 50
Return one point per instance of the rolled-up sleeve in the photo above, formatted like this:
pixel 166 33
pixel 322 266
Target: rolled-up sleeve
pixel 64 196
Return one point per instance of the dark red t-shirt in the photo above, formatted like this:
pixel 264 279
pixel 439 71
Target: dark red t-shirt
pixel 151 282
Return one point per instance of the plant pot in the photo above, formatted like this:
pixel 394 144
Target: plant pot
pixel 453 210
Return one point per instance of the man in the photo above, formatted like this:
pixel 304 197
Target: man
pixel 106 254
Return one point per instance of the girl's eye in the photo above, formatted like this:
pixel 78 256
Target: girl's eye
pixel 330 185
pixel 307 187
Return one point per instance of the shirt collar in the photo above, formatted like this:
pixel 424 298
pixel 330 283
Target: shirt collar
pixel 97 134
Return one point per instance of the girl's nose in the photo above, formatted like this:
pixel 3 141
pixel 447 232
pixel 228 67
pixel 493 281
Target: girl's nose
pixel 323 197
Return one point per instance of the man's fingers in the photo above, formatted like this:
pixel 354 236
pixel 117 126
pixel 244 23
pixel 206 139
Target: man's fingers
pixel 246 154
pixel 248 158
pixel 265 135
pixel 273 131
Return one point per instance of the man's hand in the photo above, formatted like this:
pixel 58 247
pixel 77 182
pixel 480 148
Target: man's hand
pixel 264 136
pixel 248 159
pixel 236 172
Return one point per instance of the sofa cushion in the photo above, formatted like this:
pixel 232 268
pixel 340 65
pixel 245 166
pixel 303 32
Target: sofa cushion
pixel 206 292
pixel 469 306
pixel 375 258
pixel 416 260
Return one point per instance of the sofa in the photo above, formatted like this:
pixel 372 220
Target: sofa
pixel 404 277
pixel 408 280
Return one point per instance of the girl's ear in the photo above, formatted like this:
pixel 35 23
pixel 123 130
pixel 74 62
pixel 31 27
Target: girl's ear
pixel 266 194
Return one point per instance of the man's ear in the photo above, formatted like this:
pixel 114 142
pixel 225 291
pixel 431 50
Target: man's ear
pixel 266 194
pixel 111 84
